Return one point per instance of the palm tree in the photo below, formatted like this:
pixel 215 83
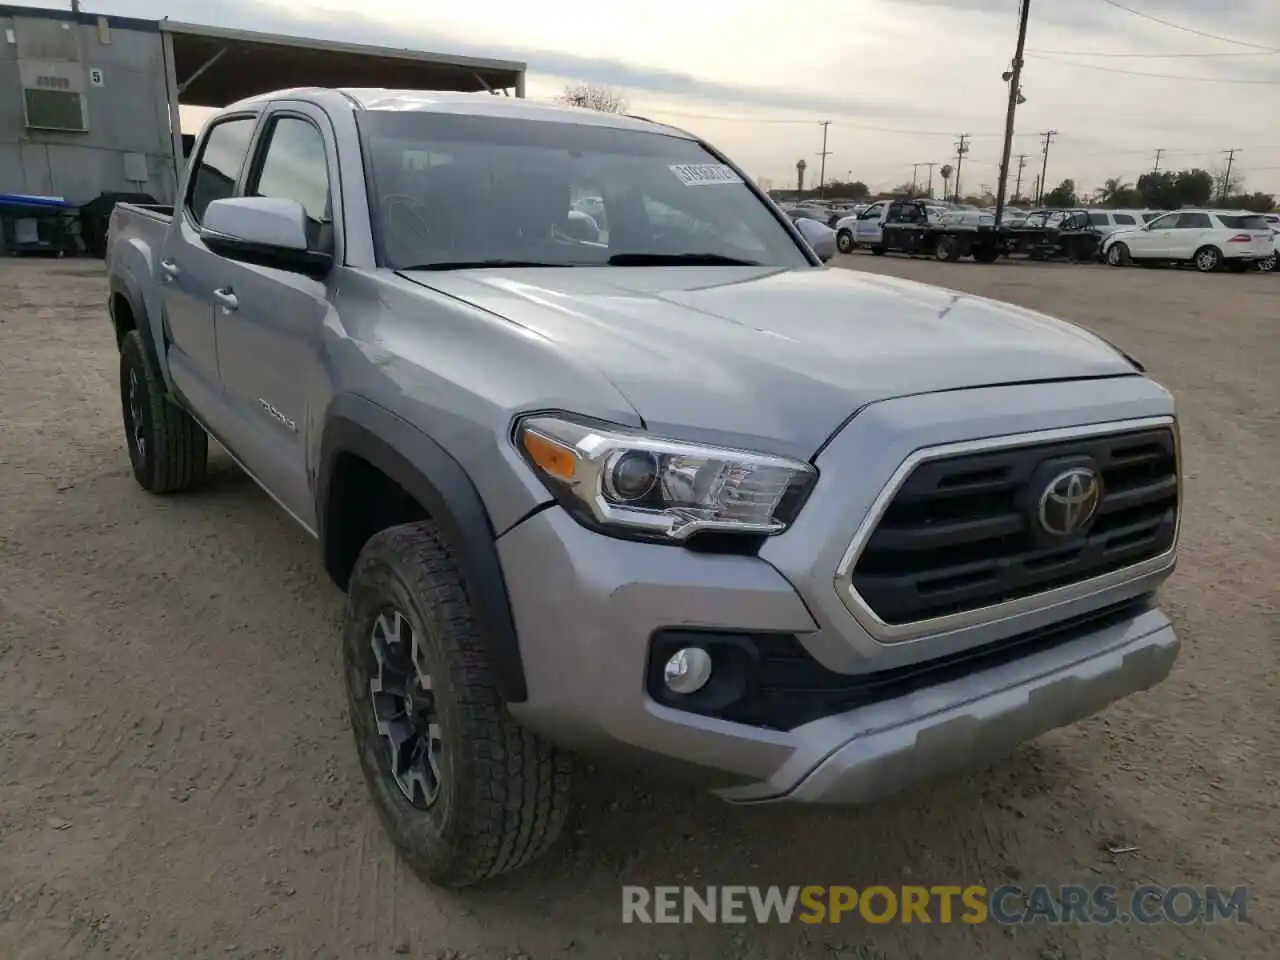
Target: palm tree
pixel 1111 189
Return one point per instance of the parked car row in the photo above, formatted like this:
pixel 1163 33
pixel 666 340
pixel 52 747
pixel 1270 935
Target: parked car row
pixel 1206 239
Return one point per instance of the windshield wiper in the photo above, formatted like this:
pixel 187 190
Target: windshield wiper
pixel 480 264
pixel 684 259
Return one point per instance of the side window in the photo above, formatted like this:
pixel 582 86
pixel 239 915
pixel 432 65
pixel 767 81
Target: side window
pixel 1194 221
pixel 1100 220
pixel 294 168
pixel 1163 222
pixel 219 165
pixel 1148 217
pixel 1124 220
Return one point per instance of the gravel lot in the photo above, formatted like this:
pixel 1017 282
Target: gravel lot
pixel 177 777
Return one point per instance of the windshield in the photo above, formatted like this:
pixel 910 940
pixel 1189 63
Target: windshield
pixel 450 190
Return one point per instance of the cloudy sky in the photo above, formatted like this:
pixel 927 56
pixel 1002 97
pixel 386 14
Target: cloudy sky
pixel 898 79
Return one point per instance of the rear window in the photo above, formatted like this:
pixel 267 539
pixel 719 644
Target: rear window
pixel 1247 221
pixel 1124 219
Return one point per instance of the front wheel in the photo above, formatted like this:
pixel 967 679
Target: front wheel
pixel 464 792
pixel 1208 259
pixel 844 241
pixel 1118 255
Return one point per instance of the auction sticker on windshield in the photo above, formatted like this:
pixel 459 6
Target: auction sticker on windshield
pixel 701 174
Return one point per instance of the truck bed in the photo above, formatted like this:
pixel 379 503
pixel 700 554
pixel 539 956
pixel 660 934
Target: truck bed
pixel 162 212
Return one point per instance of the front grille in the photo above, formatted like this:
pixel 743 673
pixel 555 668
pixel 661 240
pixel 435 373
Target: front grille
pixel 964 532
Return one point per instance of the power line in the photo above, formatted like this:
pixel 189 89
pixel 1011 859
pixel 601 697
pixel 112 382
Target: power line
pixel 662 111
pixel 1158 76
pixel 1155 56
pixel 1191 30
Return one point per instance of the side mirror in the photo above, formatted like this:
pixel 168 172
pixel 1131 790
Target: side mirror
pixel 266 231
pixel 819 236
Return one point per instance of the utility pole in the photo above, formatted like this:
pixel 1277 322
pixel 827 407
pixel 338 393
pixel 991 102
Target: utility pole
pixel 1022 162
pixel 1226 177
pixel 931 165
pixel 822 168
pixel 915 167
pixel 1044 167
pixel 1015 91
pixel 1156 168
pixel 962 147
pixel 1035 190
pixel 75 6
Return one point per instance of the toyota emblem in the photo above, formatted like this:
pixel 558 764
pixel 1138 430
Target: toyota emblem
pixel 1069 501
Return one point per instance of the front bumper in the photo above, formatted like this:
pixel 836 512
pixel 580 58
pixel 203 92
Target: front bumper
pixel 587 607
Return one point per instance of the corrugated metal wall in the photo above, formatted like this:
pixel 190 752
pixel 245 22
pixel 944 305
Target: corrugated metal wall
pixel 120 73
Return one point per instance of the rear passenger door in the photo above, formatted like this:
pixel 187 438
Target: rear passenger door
pixel 1190 233
pixel 270 322
pixel 187 272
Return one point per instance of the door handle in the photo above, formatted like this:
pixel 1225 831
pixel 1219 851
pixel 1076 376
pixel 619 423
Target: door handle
pixel 170 270
pixel 227 297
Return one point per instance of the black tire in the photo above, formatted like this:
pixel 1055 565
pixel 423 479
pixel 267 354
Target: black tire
pixel 1207 259
pixel 1267 264
pixel 1118 255
pixel 844 241
pixel 947 249
pixel 878 250
pixel 503 793
pixel 986 254
pixel 169 451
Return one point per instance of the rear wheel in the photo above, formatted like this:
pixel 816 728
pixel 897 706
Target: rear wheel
pixel 986 254
pixel 947 249
pixel 1208 259
pixel 464 792
pixel 1118 255
pixel 168 450
pixel 1267 264
pixel 878 250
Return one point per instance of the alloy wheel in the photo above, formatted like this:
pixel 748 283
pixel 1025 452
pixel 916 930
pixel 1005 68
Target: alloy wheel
pixel 404 708
pixel 135 415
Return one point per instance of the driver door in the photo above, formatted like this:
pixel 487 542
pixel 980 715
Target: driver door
pixel 870 228
pixel 1156 240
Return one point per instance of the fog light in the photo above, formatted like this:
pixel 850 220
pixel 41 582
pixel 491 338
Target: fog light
pixel 688 670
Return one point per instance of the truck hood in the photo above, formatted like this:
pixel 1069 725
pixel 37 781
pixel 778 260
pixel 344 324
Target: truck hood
pixel 779 358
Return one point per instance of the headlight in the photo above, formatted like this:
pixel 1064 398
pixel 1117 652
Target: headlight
pixel 632 484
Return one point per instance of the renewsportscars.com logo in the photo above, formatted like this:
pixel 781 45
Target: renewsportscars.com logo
pixel 941 904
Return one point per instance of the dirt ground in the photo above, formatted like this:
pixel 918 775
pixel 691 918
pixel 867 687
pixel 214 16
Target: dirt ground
pixel 177 778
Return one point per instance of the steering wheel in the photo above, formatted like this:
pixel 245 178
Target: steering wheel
pixel 399 202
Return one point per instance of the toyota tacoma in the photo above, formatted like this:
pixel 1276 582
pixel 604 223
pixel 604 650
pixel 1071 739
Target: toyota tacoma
pixel 660 487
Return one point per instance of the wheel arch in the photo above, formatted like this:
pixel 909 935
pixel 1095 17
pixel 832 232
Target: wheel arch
pixel 360 435
pixel 127 308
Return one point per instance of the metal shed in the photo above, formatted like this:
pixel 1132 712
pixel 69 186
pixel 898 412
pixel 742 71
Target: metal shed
pixel 89 102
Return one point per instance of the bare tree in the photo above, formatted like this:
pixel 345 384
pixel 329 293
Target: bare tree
pixel 591 97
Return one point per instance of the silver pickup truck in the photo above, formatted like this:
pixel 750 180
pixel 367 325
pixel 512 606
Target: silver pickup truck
pixel 650 484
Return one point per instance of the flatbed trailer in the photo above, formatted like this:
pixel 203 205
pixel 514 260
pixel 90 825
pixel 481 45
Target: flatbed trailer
pixel 908 228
